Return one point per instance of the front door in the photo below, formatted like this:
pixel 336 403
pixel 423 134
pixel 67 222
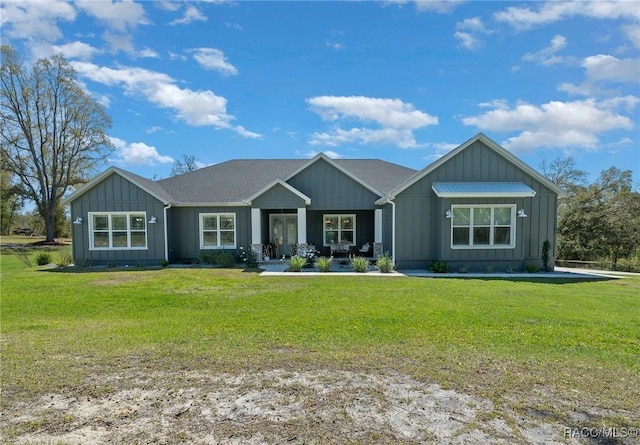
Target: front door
pixel 283 228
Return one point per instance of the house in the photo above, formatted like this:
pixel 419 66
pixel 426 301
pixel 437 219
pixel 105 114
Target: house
pixel 477 206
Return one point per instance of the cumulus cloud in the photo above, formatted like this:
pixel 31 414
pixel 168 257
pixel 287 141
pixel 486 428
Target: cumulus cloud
pixel 576 124
pixel 137 153
pixel 603 69
pixel 547 56
pixel 76 50
pixel 196 108
pixel 523 18
pixel 330 154
pixel 35 20
pixel 439 6
pixel 213 59
pixel 395 120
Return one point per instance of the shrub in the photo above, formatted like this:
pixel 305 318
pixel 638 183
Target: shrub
pixel 207 257
pixel 225 259
pixel 296 263
pixel 359 264
pixel 64 258
pixel 250 258
pixel 532 268
pixel 511 269
pixel 112 264
pixel 324 264
pixel 43 259
pixel 164 263
pixel 463 269
pixel 384 263
pixel 546 253
pixel 439 267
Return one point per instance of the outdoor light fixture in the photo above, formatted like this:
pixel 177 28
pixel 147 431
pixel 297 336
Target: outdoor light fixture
pixel 521 214
pixel 448 214
pixel 78 220
pixel 152 220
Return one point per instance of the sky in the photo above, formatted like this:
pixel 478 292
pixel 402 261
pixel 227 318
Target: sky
pixel 401 81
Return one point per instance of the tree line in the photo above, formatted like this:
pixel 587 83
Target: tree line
pixel 53 136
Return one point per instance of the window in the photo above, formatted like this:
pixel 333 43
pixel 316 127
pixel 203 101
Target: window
pixel 118 230
pixel 217 230
pixel 339 229
pixel 483 227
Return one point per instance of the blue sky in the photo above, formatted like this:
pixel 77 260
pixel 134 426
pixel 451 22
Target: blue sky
pixel 401 81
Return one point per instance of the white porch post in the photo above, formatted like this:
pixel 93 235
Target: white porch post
pixel 256 227
pixel 302 225
pixel 377 226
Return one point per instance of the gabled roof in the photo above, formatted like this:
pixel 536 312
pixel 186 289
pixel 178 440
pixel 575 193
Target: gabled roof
pixel 293 190
pixel 489 143
pixel 149 186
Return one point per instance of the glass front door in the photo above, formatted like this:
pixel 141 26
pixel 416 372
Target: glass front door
pixel 284 233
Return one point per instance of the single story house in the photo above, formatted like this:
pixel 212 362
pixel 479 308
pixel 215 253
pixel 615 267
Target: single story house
pixel 479 206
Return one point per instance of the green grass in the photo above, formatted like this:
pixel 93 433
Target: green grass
pixel 495 338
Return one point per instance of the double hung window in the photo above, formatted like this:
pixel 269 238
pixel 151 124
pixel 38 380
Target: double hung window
pixel 217 230
pixel 339 229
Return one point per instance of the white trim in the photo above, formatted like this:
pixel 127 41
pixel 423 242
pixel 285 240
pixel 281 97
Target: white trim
pixel 336 165
pixel 490 246
pixel 218 230
pixel 302 225
pixel 110 230
pixel 289 187
pixel 256 227
pixel 489 143
pixel 166 232
pixel 377 226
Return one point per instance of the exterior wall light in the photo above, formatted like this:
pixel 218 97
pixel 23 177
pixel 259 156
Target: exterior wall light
pixel 78 220
pixel 448 214
pixel 521 214
pixel 153 220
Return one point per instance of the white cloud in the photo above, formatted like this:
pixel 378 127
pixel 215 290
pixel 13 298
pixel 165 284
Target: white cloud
pixel 137 153
pixel 439 6
pixel 196 108
pixel 76 50
pixel 120 16
pixel 576 124
pixel 330 154
pixel 146 53
pixel 605 67
pixel 547 56
pixel 397 120
pixel 441 149
pixel 213 59
pixel 468 32
pixel 192 14
pixel 633 34
pixel 34 20
pixel 523 18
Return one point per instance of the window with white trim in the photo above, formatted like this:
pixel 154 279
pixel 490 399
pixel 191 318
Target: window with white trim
pixel 483 226
pixel 117 230
pixel 217 230
pixel 339 229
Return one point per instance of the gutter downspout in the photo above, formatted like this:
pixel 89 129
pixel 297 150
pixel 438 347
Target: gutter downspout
pixel 166 239
pixel 393 232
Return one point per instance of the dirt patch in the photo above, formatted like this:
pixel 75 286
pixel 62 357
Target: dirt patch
pixel 277 406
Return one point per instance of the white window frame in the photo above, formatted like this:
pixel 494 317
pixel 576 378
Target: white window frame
pixel 339 229
pixel 110 230
pixel 218 230
pixel 492 226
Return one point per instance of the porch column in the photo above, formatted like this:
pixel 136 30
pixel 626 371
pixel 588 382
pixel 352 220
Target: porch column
pixel 377 226
pixel 256 227
pixel 302 225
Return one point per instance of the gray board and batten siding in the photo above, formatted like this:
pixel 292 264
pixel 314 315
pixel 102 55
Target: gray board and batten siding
pixel 114 193
pixel 423 233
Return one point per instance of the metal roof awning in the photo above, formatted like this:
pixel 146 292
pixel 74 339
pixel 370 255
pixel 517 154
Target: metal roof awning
pixel 482 190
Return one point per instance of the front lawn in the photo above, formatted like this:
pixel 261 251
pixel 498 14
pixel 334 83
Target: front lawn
pixel 557 348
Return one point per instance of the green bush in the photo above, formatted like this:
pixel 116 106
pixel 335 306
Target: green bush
pixel 225 259
pixel 324 264
pixel 207 257
pixel 250 258
pixel 384 263
pixel 359 264
pixel 439 267
pixel 64 258
pixel 43 259
pixel 296 263
pixel 533 268
pixel 164 263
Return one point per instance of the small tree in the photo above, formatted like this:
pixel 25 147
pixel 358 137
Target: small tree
pixel 52 134
pixel 187 164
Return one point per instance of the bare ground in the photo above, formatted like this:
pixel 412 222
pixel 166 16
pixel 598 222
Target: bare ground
pixel 279 406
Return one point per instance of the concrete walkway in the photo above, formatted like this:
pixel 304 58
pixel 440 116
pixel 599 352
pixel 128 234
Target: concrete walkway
pixel 279 269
